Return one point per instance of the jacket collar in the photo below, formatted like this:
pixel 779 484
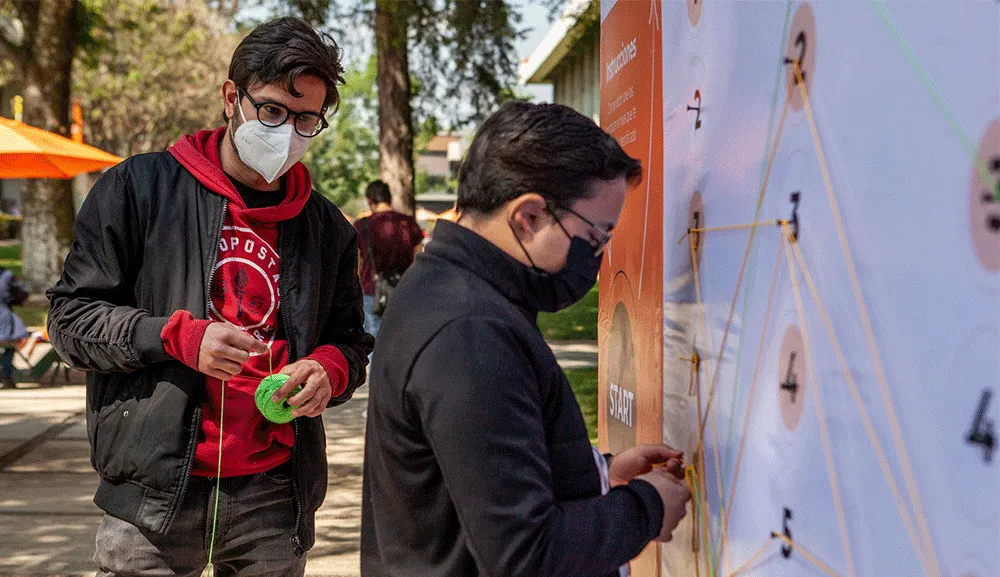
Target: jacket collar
pixel 518 283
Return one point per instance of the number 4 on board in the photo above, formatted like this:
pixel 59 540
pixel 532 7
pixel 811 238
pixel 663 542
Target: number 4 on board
pixel 982 428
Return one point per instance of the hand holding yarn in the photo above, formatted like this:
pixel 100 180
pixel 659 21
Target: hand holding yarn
pixel 641 459
pixel 308 380
pixel 275 411
pixel 224 350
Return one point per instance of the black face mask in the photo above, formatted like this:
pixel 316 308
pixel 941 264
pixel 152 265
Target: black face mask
pixel 557 291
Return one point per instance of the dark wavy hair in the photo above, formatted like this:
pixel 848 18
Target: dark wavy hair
pixel 549 149
pixel 284 49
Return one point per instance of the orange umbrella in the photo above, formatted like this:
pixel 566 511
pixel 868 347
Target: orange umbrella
pixel 450 214
pixel 425 215
pixel 29 152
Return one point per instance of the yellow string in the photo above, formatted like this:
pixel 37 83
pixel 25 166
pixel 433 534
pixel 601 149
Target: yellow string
pixel 793 255
pixel 712 377
pixel 689 477
pixel 746 253
pixel 210 569
pixel 753 387
pixel 695 363
pixel 708 415
pixel 693 480
pixel 759 223
pixel 218 482
pixel 865 418
pixel 897 433
pixel 752 559
pixel 809 556
pixel 818 401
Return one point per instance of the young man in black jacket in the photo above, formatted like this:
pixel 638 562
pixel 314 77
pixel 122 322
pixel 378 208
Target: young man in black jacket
pixel 477 459
pixel 196 273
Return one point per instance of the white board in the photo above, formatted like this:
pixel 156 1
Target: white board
pixel 903 97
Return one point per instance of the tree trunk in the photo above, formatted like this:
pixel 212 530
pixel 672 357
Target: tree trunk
pixel 47 205
pixel 394 113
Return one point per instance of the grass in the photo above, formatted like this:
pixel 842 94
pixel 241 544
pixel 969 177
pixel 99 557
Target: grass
pixel 10 258
pixel 32 316
pixel 577 323
pixel 584 383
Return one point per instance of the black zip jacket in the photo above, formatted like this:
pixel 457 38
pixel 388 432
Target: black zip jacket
pixel 477 460
pixel 146 243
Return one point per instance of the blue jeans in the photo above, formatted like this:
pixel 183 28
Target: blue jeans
pixel 7 362
pixel 372 320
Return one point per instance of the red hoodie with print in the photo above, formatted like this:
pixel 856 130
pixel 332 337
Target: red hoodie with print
pixel 244 293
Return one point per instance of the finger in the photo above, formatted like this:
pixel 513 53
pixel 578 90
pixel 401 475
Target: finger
pixel 314 407
pixel 226 367
pixel 315 393
pixel 659 453
pixel 661 538
pixel 309 390
pixel 243 341
pixel 675 467
pixel 684 491
pixel 296 375
pixel 231 353
pixel 216 374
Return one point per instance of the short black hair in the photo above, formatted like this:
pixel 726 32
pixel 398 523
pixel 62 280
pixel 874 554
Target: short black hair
pixel 548 149
pixel 377 192
pixel 284 49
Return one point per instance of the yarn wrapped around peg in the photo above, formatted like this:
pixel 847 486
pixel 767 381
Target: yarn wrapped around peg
pixel 280 412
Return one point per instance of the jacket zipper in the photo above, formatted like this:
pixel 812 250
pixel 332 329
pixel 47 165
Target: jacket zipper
pixel 296 543
pixel 196 426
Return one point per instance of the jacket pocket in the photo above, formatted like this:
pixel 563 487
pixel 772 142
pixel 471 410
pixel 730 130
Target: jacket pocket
pixel 142 432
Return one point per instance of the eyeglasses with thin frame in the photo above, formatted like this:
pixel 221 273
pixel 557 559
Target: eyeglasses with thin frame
pixel 603 236
pixel 275 114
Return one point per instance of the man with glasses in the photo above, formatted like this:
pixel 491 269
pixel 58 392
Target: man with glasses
pixel 477 459
pixel 196 273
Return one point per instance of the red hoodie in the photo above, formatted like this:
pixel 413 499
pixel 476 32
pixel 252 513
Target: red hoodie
pixel 244 293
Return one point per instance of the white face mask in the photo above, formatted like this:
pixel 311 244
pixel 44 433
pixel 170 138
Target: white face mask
pixel 270 151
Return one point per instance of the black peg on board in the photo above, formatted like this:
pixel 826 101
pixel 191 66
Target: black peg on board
pixel 800 41
pixel 790 384
pixel 696 234
pixel 794 221
pixel 697 109
pixel 786 549
pixel 982 432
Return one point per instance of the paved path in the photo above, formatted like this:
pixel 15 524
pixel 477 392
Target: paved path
pixel 575 354
pixel 47 517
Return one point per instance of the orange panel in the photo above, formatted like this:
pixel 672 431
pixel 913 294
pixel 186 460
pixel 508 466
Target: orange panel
pixel 630 325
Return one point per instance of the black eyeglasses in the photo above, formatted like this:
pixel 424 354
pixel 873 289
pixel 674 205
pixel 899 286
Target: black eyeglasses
pixel 603 236
pixel 275 114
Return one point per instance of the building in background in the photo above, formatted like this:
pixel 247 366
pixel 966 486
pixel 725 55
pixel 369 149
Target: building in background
pixel 437 167
pixel 569 58
pixel 439 161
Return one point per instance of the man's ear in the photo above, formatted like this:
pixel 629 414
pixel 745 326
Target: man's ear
pixel 230 98
pixel 526 214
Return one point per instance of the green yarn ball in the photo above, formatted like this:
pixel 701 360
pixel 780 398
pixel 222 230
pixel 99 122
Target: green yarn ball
pixel 280 412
